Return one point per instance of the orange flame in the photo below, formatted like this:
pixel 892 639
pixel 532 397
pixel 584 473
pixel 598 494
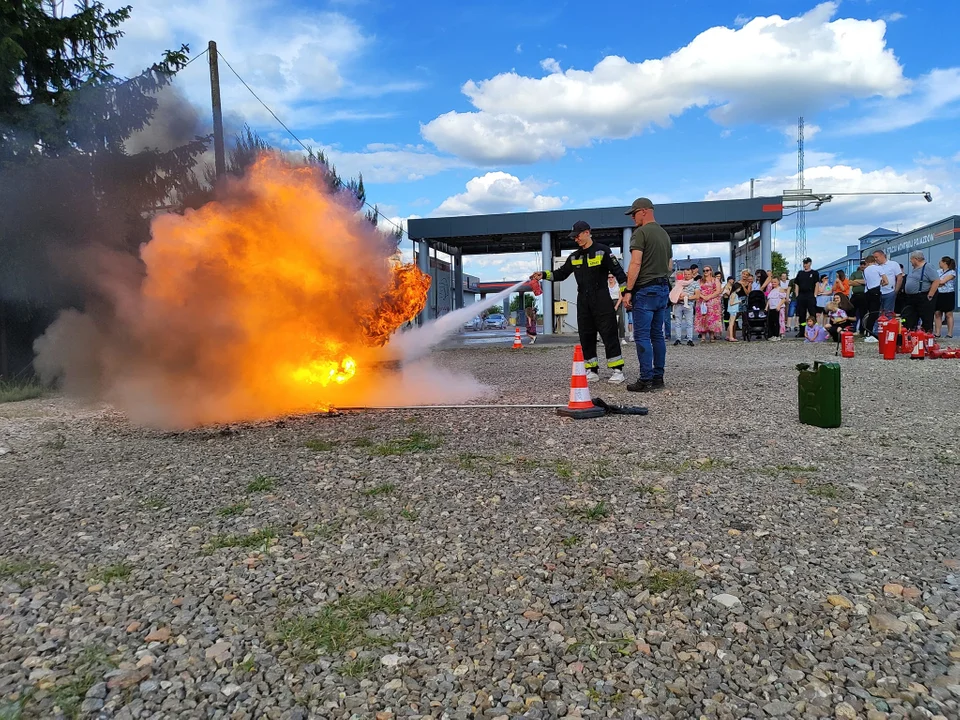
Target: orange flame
pixel 275 299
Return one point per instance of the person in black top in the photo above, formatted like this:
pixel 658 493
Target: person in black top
pixel 806 284
pixel 591 264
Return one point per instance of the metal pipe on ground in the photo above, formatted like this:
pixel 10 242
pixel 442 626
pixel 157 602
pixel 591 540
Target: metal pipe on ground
pixel 440 407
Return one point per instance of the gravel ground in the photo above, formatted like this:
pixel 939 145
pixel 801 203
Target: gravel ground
pixel 715 559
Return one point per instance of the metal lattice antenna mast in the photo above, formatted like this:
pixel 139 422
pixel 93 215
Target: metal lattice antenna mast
pixel 800 247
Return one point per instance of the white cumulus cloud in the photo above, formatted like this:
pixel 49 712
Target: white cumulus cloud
pixel 769 69
pixel 296 60
pixel 498 192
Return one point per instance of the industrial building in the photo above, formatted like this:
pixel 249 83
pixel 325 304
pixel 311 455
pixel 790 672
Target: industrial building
pixel 936 240
pixel 745 225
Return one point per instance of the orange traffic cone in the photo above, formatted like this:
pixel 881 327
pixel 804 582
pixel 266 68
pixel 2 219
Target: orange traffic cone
pixel 580 406
pixel 517 345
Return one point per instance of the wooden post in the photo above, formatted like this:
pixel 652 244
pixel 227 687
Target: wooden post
pixel 219 158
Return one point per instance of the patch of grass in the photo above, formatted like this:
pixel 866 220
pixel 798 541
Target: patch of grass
pixel 827 490
pixel 563 469
pixel 320 445
pixel 379 490
pixel 87 669
pixel 594 513
pixel 664 466
pixel 648 490
pixel 261 483
pixel 675 468
pixel 371 514
pixel 468 461
pixel 342 625
pixel 233 510
pixel 571 540
pixel 524 464
pixel 248 665
pixel 17 568
pixel 622 582
pixel 325 531
pixel 154 502
pixel 18 391
pixel 600 469
pixel 428 605
pixel 120 571
pixel 593 694
pixel 260 538
pixel 409 514
pixel 414 442
pixel 677 580
pixel 359 668
pixel 948 459
pixel 363 442
pixel 13 710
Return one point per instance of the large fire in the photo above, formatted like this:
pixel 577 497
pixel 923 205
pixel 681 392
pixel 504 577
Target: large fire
pixel 275 299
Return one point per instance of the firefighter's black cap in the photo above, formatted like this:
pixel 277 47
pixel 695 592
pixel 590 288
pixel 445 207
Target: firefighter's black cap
pixel 578 227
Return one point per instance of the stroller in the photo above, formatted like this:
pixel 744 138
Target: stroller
pixel 755 316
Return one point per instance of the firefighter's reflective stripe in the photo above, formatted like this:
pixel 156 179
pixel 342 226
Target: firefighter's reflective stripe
pixel 591 364
pixel 577 261
pixel 548 274
pixel 580 395
pixel 595 260
pixel 623 289
pixel 615 362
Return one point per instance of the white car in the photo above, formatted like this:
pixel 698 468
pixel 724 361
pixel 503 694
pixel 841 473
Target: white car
pixel 473 324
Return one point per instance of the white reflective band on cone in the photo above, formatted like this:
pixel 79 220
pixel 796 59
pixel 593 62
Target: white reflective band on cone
pixel 580 395
pixel 578 369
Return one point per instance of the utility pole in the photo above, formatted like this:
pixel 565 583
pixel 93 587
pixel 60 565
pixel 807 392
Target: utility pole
pixel 219 159
pixel 751 187
pixel 800 246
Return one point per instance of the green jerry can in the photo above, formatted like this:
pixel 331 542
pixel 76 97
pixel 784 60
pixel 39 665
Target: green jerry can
pixel 818 392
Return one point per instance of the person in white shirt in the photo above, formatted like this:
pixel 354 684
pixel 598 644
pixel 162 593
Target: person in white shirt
pixel 892 280
pixel 872 279
pixel 946 296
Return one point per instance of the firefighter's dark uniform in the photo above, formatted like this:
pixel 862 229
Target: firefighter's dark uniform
pixel 595 312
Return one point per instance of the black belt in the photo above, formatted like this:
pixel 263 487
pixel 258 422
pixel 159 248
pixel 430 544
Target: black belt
pixel 656 281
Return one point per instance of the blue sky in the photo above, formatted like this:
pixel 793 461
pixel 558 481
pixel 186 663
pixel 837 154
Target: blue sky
pixel 507 106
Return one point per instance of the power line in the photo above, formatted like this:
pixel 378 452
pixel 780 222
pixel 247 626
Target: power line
pixel 376 210
pixel 196 57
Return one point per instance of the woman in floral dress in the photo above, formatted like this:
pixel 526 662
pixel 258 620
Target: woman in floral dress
pixel 708 315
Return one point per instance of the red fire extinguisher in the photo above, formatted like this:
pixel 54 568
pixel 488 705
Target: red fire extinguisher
pixel 890 344
pixel 882 333
pixel 535 286
pixel 846 343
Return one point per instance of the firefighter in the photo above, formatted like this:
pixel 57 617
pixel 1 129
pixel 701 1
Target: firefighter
pixel 591 264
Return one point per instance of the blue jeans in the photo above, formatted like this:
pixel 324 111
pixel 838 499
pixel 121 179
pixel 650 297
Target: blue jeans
pixel 667 324
pixel 649 314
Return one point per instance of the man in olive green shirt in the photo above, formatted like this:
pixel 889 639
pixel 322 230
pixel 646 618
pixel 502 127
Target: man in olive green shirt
pixel 647 293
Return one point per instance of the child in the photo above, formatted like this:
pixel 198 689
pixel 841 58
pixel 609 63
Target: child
pixel 815 333
pixel 532 324
pixel 776 304
pixel 836 319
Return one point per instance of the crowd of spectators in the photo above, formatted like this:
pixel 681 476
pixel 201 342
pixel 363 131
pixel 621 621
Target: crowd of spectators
pixel 705 306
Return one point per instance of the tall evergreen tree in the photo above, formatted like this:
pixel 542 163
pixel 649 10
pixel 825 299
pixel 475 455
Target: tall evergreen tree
pixel 66 180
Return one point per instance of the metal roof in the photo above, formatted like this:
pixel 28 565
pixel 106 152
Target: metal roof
pixel 691 222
